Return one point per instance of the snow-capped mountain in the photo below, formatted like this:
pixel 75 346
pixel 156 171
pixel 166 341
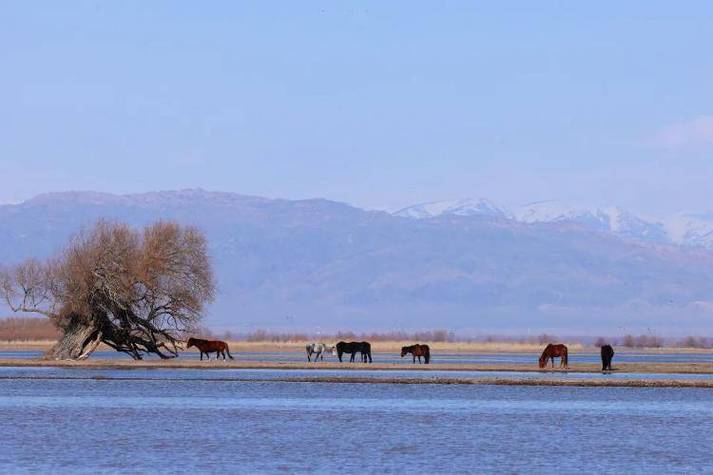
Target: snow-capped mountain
pixel 687 230
pixel 614 220
pixel 691 229
pixel 463 207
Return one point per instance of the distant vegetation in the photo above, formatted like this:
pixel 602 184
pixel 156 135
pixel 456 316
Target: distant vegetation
pixel 431 335
pixel 22 329
pixel 27 329
pixel 447 336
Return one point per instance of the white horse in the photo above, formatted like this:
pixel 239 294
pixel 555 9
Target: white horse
pixel 319 349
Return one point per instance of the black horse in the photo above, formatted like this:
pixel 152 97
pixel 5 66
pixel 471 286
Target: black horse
pixel 607 355
pixel 354 347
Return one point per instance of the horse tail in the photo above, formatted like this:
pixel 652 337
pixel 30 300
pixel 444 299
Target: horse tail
pixel 227 350
pixel 427 354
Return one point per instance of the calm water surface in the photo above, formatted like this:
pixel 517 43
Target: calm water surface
pixel 174 425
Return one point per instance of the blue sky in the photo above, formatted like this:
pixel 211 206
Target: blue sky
pixel 380 104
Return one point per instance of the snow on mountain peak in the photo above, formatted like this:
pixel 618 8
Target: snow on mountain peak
pixel 546 212
pixel 462 207
pixel 613 220
pixel 691 229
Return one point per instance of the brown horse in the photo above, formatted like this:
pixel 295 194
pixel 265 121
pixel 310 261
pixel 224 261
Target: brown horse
pixel 417 351
pixel 208 346
pixel 552 352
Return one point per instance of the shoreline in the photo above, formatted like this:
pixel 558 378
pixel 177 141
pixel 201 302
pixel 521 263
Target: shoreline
pixel 592 368
pixel 350 372
pixel 480 381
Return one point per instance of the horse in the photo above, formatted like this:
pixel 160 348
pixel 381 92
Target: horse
pixel 607 355
pixel 318 349
pixel 208 346
pixel 354 347
pixel 417 351
pixel 554 351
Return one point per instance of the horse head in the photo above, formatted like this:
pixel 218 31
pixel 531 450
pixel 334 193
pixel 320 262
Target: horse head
pixel 190 342
pixel 404 350
pixel 333 350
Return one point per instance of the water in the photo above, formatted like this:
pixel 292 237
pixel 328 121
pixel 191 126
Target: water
pixel 173 425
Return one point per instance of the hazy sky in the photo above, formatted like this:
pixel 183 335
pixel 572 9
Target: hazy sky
pixel 380 104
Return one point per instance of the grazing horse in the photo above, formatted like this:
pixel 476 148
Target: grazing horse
pixel 552 352
pixel 354 347
pixel 208 346
pixel 417 351
pixel 607 355
pixel 318 349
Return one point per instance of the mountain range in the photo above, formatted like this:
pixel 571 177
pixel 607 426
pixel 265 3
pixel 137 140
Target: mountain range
pixel 682 229
pixel 469 266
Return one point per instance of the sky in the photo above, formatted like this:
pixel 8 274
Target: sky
pixel 378 104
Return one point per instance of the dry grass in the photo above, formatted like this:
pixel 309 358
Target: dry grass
pixel 493 347
pixel 22 333
pixel 24 329
pixel 242 346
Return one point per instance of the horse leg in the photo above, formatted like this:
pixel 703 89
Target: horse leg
pixel 201 355
pixel 351 359
pixel 309 357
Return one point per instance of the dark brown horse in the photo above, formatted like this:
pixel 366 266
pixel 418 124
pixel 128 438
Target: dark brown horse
pixel 208 346
pixel 554 351
pixel 417 351
pixel 607 355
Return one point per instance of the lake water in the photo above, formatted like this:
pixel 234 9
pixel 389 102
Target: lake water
pixel 176 421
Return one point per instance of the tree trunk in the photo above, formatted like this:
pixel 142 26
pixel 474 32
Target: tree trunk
pixel 77 343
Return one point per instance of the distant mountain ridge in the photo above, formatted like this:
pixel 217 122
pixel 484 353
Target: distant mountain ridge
pixel 473 267
pixel 683 229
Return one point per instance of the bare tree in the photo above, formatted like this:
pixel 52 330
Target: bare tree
pixel 137 292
